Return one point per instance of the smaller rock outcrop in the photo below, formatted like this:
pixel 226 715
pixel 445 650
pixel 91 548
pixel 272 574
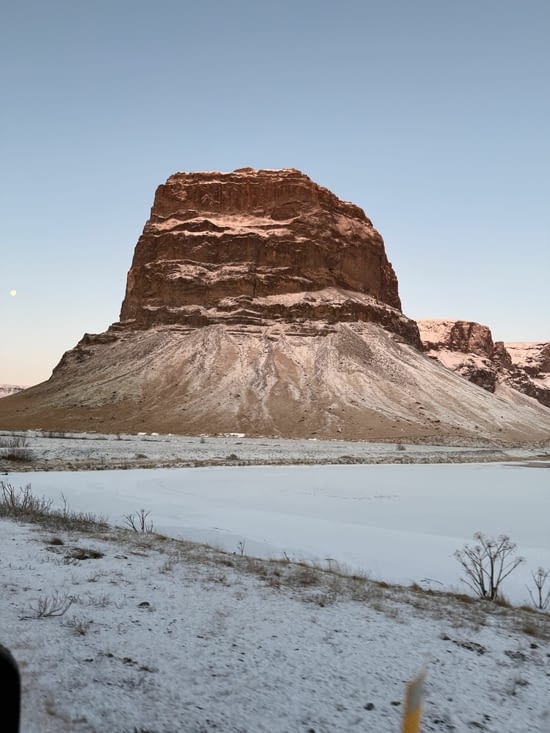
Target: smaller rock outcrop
pixel 463 346
pixel 530 369
pixel 468 348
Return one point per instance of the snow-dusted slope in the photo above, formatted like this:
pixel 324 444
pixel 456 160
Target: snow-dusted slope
pixel 357 381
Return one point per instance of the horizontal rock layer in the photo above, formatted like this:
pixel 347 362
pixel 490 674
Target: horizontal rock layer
pixel 254 247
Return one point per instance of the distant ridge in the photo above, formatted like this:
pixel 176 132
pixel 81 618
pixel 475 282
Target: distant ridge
pixel 9 389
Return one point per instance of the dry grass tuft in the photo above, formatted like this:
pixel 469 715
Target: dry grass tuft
pixel 21 504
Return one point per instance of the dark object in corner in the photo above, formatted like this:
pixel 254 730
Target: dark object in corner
pixel 11 691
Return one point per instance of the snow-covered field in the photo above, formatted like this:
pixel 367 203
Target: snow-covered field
pixel 397 523
pixel 162 636
pixel 59 451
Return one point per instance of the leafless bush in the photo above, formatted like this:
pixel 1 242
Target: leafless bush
pixel 21 502
pixel 46 606
pixel 540 597
pixel 137 521
pixel 487 564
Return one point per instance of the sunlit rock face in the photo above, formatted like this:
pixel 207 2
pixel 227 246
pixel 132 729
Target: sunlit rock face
pixel 463 346
pixel 468 348
pixel 530 368
pixel 258 246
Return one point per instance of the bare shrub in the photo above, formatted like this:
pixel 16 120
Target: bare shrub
pixel 137 522
pixel 540 597
pixel 487 564
pixel 46 606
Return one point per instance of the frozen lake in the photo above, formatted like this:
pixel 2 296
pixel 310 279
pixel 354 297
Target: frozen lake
pixel 399 523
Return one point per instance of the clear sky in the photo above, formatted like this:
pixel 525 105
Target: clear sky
pixel 433 116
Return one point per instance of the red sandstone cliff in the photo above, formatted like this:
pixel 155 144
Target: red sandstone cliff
pixel 258 247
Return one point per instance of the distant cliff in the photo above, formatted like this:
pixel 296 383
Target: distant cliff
pixel 467 348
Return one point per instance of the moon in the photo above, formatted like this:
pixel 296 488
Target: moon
pixel 13 293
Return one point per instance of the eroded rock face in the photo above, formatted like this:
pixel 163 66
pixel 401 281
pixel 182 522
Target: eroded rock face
pixel 463 346
pixel 530 369
pixel 468 349
pixel 259 246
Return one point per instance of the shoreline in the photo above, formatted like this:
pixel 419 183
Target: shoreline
pixel 47 451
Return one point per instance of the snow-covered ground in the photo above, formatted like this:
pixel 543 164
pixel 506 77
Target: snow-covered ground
pixel 161 636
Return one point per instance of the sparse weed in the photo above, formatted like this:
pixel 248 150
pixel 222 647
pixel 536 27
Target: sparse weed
pixel 22 504
pixel 241 545
pixel 78 626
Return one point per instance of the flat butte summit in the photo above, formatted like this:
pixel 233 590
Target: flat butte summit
pixel 258 302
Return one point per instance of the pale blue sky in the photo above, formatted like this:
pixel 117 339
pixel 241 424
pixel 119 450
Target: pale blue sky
pixel 433 116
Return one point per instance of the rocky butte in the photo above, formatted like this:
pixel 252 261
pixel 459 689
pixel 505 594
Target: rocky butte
pixel 258 302
pixel 255 248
